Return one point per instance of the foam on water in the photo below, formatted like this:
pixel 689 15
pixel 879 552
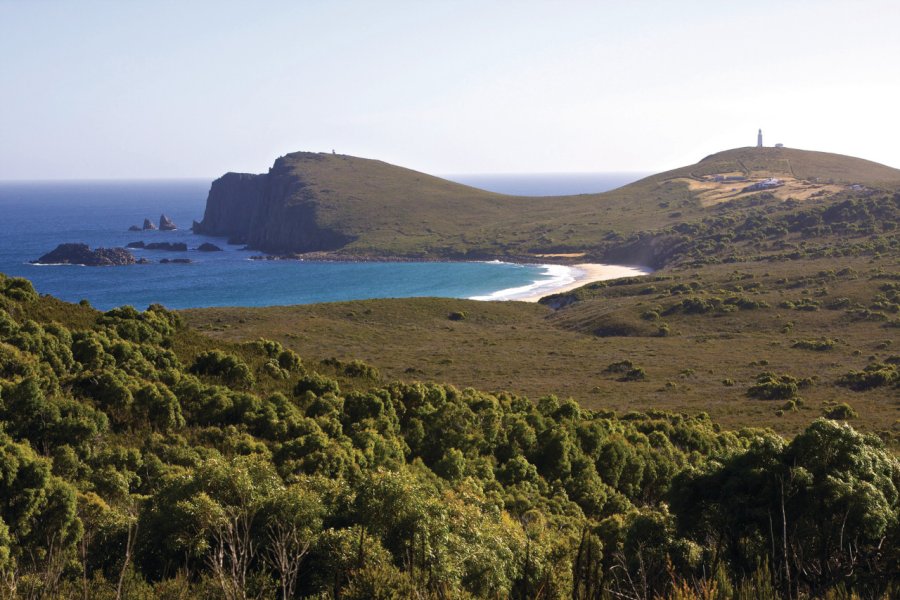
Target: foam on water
pixel 551 278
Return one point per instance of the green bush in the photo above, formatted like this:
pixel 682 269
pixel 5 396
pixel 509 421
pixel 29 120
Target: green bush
pixel 873 376
pixel 230 368
pixel 770 386
pixel 317 384
pixel 842 412
pixel 815 345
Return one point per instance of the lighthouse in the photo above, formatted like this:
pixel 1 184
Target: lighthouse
pixel 759 139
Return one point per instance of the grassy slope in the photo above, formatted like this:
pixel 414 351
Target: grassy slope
pixel 395 211
pixel 533 350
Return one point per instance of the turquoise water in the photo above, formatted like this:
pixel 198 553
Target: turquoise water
pixel 37 216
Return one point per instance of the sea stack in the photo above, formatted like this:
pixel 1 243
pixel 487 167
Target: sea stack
pixel 166 224
pixel 148 224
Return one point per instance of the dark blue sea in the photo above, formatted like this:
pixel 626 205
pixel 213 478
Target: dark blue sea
pixel 37 216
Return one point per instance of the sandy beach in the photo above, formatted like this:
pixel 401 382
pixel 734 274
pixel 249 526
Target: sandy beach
pixel 564 278
pixel 587 273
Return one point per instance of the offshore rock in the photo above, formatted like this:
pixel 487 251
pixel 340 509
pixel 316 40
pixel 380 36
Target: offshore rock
pixel 134 245
pixel 148 225
pixel 167 246
pixel 176 261
pixel 166 224
pixel 196 226
pixel 134 228
pixel 207 247
pixel 81 254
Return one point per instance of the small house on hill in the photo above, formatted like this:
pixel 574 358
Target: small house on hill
pixel 765 184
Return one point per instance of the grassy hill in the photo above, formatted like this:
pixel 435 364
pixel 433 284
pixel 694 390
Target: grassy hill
pixel 361 207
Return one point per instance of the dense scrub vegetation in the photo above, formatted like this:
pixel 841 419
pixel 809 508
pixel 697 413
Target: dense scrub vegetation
pixel 137 461
pixel 761 227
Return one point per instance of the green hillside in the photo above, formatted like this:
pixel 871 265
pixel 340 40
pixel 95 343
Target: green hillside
pixel 701 337
pixel 365 207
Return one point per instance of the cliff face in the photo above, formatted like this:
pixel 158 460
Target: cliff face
pixel 274 212
pixel 230 205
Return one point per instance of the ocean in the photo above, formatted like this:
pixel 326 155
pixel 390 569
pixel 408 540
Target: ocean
pixel 37 216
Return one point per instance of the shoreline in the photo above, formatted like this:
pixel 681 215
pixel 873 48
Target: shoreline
pixel 564 279
pixel 565 274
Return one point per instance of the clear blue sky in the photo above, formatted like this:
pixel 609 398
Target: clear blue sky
pixel 193 89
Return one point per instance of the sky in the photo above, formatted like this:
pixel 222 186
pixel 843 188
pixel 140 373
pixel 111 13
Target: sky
pixel 129 89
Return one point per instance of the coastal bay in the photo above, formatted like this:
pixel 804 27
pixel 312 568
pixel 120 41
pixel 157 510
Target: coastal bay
pixel 41 215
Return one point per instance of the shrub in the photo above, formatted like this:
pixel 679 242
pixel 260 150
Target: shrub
pixel 457 315
pixel 623 366
pixel 230 368
pixel 770 386
pixel 842 411
pixel 317 384
pixel 635 374
pixel 873 376
pixel 18 288
pixel 816 345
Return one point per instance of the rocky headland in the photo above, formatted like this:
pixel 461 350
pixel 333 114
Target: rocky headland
pixel 275 212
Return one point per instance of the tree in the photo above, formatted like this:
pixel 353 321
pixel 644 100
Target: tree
pixel 40 526
pixel 817 509
pixel 294 521
pixel 227 500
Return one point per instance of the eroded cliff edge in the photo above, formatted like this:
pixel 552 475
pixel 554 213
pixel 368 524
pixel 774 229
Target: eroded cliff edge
pixel 274 212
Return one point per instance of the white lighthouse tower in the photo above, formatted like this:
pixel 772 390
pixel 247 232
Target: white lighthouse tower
pixel 759 139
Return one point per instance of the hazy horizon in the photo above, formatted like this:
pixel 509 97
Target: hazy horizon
pixel 449 176
pixel 168 90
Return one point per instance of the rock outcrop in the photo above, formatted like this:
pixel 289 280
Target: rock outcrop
pixel 81 254
pixel 166 224
pixel 207 247
pixel 148 225
pixel 168 246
